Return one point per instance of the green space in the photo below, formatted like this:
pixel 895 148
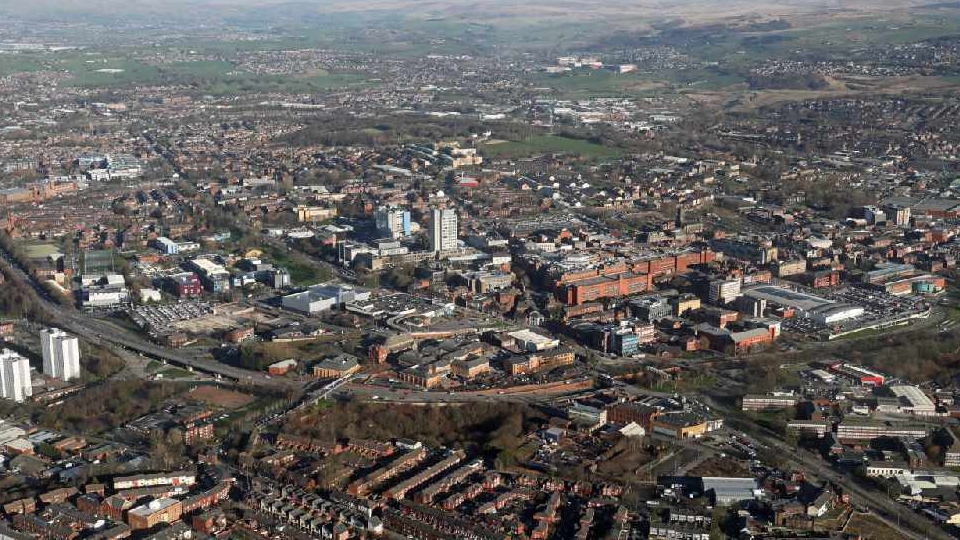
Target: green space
pixel 95 71
pixel 686 384
pixel 543 144
pixel 40 251
pixel 21 62
pixel 175 373
pixel 275 83
pixel 587 83
pixel 215 77
pixel 302 270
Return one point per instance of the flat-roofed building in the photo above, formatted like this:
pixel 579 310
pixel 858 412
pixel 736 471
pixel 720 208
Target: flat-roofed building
pixel 153 513
pixel 768 402
pixel 15 382
pixel 528 340
pixel 323 297
pixel 916 401
pixel 860 430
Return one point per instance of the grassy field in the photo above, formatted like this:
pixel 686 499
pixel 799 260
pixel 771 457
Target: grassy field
pixel 175 373
pixel 543 144
pixel 20 63
pixel 303 271
pixel 871 528
pixel 585 84
pixel 208 76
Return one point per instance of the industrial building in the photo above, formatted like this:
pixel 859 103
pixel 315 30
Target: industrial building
pixel 323 297
pixel 806 305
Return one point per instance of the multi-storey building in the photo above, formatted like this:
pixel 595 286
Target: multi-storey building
pixel 851 430
pixel 14 376
pixel 443 230
pixel 392 222
pixel 724 290
pixel 767 402
pixel 61 354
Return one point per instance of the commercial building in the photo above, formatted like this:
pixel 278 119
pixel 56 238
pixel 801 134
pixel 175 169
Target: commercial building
pixel 682 425
pixel 789 268
pixel 14 376
pixel 61 354
pixel 858 375
pixel 809 428
pixel 443 230
pixel 323 297
pixel 215 277
pixel 282 367
pixel 104 296
pixel 626 342
pixel 531 341
pixel 685 303
pixel 726 491
pixel 650 308
pixel 723 291
pixel 860 430
pixel 915 401
pixel 768 402
pixel 806 305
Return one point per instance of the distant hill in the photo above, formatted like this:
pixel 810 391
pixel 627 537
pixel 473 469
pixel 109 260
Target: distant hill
pixel 505 11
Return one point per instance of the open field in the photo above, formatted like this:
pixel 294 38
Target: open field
pixel 871 528
pixel 219 397
pixel 544 144
pixel 747 100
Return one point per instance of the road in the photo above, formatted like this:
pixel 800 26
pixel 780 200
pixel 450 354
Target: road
pixel 108 335
pixel 105 334
pixel 893 514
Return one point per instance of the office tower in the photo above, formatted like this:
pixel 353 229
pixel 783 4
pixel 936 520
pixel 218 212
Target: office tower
pixel 443 230
pixel 392 222
pixel 61 354
pixel 14 376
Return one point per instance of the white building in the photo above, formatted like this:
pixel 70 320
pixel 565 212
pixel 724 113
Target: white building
pixel 61 354
pixel 916 401
pixel 527 340
pixel 443 230
pixel 723 291
pixel 392 222
pixel 323 297
pixel 14 376
pixel 166 245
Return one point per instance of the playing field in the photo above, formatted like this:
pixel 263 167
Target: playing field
pixel 219 397
pixel 545 144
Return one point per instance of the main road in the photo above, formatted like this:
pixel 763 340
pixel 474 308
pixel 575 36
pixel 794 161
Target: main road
pixel 908 523
pixel 104 334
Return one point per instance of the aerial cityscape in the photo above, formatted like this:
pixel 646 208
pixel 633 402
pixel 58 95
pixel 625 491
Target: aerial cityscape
pixel 480 270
